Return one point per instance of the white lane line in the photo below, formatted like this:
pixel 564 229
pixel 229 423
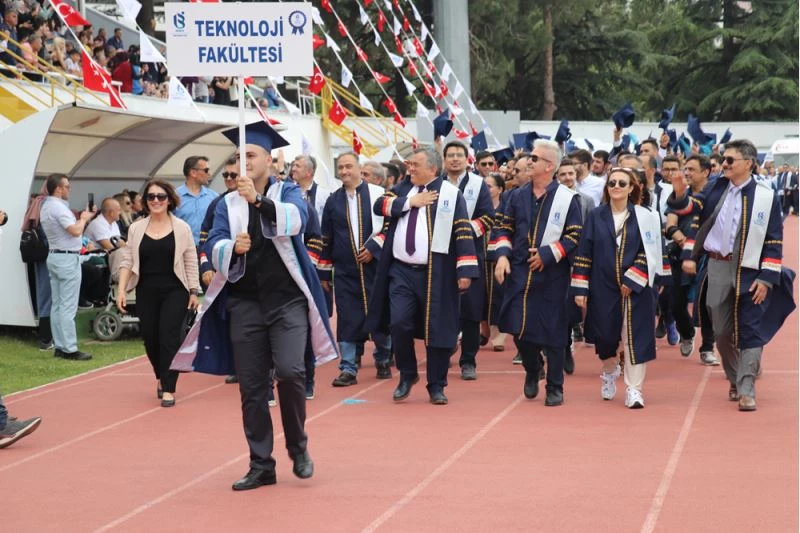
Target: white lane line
pixel 47 388
pixel 413 493
pixel 191 483
pixel 672 465
pixel 102 430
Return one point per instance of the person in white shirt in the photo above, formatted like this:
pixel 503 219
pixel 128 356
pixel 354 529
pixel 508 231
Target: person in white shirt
pixel 103 231
pixel 589 185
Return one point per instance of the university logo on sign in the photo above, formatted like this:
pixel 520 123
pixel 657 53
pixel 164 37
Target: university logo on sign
pixel 179 24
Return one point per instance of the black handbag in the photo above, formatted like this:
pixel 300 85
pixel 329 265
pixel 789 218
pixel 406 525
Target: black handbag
pixel 33 245
pixel 188 322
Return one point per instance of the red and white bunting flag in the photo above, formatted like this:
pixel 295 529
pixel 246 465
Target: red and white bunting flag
pixel 418 47
pixel 326 5
pixel 248 80
pixel 429 91
pixel 97 79
pixel 398 45
pixel 445 91
pixel 412 69
pixel 381 21
pixel 474 131
pixel 414 143
pixel 364 101
pixel 434 51
pixel 357 144
pixel 460 134
pixel 317 41
pixel 399 119
pixel 337 113
pixel 406 24
pixel 317 81
pixel 342 29
pixel 367 3
pixel 380 78
pixel 265 118
pixel 396 4
pixel 431 66
pixel 69 14
pixel 390 105
pixel 361 55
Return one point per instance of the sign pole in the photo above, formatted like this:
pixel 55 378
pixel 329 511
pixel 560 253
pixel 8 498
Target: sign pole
pixel 242 140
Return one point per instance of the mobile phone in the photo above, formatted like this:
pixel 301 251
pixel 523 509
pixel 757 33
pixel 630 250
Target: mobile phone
pixel 91 201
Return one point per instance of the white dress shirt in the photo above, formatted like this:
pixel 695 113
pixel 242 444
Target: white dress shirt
pixel 722 236
pixel 352 208
pixel 420 255
pixel 592 186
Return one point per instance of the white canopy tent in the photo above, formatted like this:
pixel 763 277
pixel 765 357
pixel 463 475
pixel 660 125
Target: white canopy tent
pixel 102 151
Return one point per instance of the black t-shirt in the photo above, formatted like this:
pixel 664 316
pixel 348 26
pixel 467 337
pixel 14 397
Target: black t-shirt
pixel 156 258
pixel 266 277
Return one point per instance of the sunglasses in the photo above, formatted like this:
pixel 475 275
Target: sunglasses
pixel 230 175
pixel 730 160
pixel 535 158
pixel 202 170
pixel 617 183
pixel 152 197
pixel 486 164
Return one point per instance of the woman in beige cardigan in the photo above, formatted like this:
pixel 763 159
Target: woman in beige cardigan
pixel 160 261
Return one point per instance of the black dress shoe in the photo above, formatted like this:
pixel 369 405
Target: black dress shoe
pixel 531 388
pixel 404 388
pixel 569 362
pixel 384 372
pixel 255 478
pixel 345 379
pixel 73 356
pixel 303 465
pixel 232 379
pixel 438 397
pixel 484 340
pixel 554 397
pixel 159 392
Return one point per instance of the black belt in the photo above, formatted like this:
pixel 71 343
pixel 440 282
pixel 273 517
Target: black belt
pixel 64 252
pixel 718 257
pixel 412 266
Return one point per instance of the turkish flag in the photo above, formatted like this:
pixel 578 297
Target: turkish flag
pixel 265 118
pixel 381 21
pixel 396 4
pixel 439 110
pixel 69 14
pixel 361 55
pixel 429 91
pixel 318 41
pixel 406 24
pixel 357 144
pixel 367 3
pixel 317 81
pixel 412 68
pixel 444 88
pixel 418 48
pixel 380 78
pixel 474 131
pixel 431 66
pixel 249 80
pixel 390 106
pixel 398 44
pixel 399 119
pixel 337 114
pixel 97 79
pixel 342 29
pixel 460 134
pixel 326 5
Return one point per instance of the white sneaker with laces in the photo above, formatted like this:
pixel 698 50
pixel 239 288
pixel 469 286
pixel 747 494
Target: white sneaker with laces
pixel 687 347
pixel 608 388
pixel 634 399
pixel 709 359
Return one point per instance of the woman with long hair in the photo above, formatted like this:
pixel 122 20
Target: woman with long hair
pixel 160 261
pixel 494 291
pixel 620 254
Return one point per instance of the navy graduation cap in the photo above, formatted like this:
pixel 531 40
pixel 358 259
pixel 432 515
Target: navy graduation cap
pixel 624 117
pixel 524 141
pixel 726 136
pixel 673 139
pixel 695 131
pixel 666 117
pixel 503 156
pixel 563 134
pixel 479 142
pixel 259 133
pixel 685 145
pixel 442 125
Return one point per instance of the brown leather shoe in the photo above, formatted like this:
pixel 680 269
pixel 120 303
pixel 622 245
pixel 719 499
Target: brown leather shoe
pixel 747 403
pixel 733 394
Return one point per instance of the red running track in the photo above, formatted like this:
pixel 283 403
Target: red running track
pixel 108 458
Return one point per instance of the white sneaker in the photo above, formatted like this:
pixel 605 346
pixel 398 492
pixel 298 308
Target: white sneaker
pixel 634 399
pixel 709 359
pixel 608 389
pixel 687 347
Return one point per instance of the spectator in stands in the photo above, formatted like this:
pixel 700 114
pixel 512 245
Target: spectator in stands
pixel 103 231
pixel 63 233
pixel 125 215
pixel 99 56
pixel 116 39
pixel 160 261
pixel 101 35
pixel 121 71
pixel 136 74
pixel 200 92
pixel 58 56
pixel 195 196
pixel 73 63
pixel 8 30
pixel 221 87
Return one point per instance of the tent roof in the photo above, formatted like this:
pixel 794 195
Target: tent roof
pixel 93 142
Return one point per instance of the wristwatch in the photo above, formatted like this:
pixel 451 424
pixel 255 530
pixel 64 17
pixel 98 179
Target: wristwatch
pixel 259 199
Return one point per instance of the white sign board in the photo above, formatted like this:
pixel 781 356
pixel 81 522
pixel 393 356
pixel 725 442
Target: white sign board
pixel 239 39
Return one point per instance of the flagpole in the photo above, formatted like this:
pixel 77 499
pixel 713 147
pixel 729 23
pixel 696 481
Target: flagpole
pixel 242 151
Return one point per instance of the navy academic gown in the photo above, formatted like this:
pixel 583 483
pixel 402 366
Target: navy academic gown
pixel 439 326
pixel 353 280
pixel 533 303
pixel 755 324
pixel 601 268
pixel 474 300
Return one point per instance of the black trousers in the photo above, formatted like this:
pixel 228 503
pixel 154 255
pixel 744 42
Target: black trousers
pixel 665 305
pixel 310 360
pixel 533 363
pixel 470 342
pixel 264 337
pixel 407 299
pixel 161 312
pixel 680 305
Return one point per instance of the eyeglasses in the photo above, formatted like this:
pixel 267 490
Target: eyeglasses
pixel 152 197
pixel 535 158
pixel 202 169
pixel 730 160
pixel 669 170
pixel 230 175
pixel 617 183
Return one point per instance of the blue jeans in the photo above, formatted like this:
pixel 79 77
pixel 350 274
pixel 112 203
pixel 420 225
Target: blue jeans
pixel 65 284
pixel 382 353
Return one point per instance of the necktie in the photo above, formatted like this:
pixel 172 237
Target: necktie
pixel 727 221
pixel 411 230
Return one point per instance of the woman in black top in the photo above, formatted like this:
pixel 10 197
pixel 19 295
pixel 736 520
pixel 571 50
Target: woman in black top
pixel 161 262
